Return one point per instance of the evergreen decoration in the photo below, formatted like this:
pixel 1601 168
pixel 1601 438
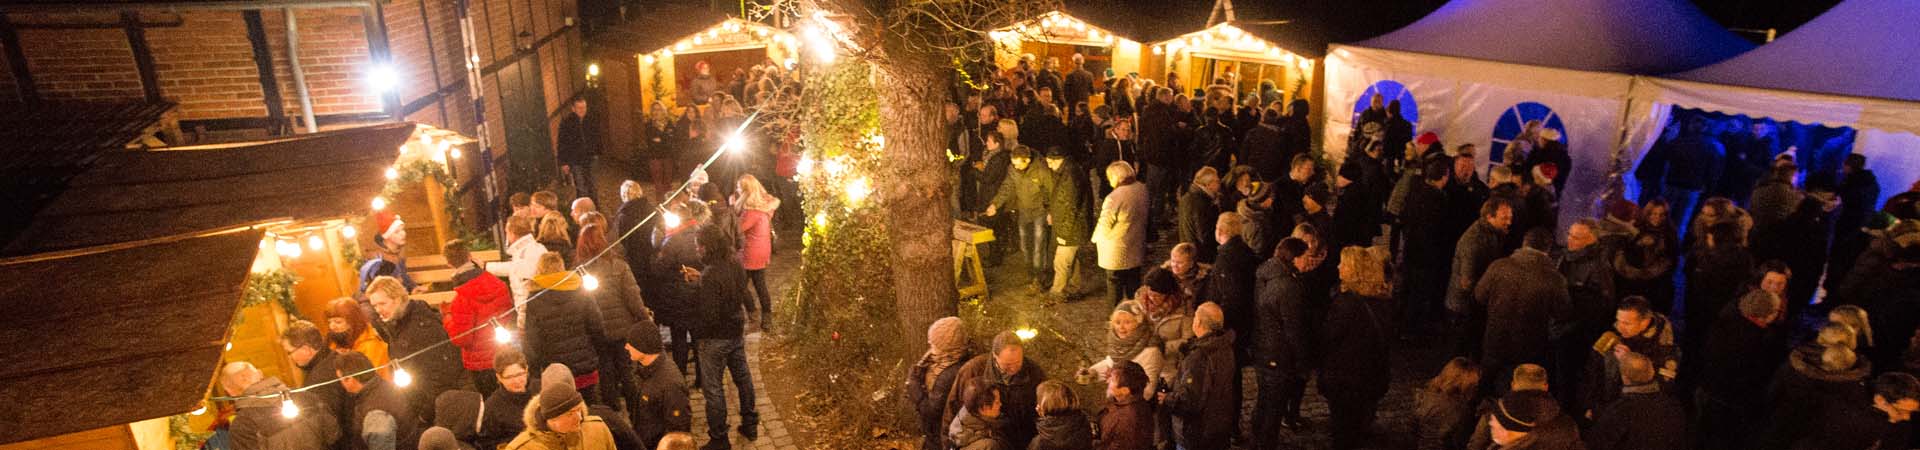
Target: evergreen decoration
pixel 184 438
pixel 274 286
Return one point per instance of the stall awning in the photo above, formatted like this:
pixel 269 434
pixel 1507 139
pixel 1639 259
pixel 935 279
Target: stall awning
pixel 1620 36
pixel 129 196
pixel 113 337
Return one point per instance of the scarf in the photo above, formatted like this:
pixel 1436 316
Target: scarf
pixel 946 345
pixel 1125 348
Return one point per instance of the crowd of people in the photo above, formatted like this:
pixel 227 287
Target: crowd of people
pixel 1780 315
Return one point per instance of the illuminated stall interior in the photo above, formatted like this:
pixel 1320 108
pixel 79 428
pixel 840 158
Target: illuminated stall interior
pixel 1202 56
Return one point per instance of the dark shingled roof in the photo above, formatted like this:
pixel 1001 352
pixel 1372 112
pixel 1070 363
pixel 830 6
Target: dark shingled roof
pixel 654 28
pixel 120 336
pixel 48 144
pixel 126 196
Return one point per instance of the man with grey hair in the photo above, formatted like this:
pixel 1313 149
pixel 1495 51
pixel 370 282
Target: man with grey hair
pixel 1078 83
pixel 1204 396
pixel 639 250
pixel 582 206
pixel 258 421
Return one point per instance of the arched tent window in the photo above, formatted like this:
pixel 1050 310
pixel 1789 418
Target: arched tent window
pixel 1513 125
pixel 1389 91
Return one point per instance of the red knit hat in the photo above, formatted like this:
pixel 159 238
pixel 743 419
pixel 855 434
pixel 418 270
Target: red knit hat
pixel 1427 138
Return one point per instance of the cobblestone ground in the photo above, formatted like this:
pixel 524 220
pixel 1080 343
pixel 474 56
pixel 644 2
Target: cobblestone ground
pixel 774 434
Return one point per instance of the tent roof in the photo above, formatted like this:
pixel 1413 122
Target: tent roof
pixel 133 195
pixel 1626 36
pixel 1859 48
pixel 119 336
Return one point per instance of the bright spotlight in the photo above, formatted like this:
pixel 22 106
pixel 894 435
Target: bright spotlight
pixel 383 78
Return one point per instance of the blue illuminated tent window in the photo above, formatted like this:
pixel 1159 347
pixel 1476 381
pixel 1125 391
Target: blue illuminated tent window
pixel 1515 120
pixel 1389 91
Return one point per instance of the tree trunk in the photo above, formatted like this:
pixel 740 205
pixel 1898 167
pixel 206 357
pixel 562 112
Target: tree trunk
pixel 916 192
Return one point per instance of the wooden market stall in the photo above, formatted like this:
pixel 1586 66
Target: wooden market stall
pixel 1058 35
pixel 651 58
pixel 1245 54
pixel 160 261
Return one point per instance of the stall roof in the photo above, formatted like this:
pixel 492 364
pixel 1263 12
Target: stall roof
pixel 47 144
pixel 133 195
pixel 655 29
pixel 1859 48
pixel 123 335
pixel 1624 36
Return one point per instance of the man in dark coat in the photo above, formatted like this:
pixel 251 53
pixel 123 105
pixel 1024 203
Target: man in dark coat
pixel 1358 338
pixel 307 347
pixel 257 422
pixel 1398 132
pixel 501 419
pixel 1644 417
pixel 1639 330
pixel 1692 167
pixel 663 406
pixel 577 147
pixel 717 333
pixel 411 326
pixel 1522 295
pixel 1266 148
pixel 1127 421
pixel 1297 131
pixel 1883 421
pixel 379 410
pixel 1588 268
pixel 1428 249
pixel 1716 274
pixel 1203 396
pixel 1008 367
pixel 1473 252
pixel 1364 186
pixel 1068 212
pixel 1288 193
pixel 1199 208
pixel 1078 84
pixel 563 326
pixel 1859 196
pixel 635 207
pixel 1465 193
pixel 1740 355
pixel 1280 344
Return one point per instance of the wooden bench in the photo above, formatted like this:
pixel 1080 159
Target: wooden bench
pixel 435 298
pixel 436 261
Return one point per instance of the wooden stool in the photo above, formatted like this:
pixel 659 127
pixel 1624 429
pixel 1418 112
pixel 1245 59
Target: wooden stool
pixel 967 238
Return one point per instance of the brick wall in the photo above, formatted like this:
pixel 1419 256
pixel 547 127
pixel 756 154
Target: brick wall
pixel 83 64
pixel 333 56
pixel 9 90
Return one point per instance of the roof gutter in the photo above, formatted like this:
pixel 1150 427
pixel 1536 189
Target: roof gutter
pixel 184 5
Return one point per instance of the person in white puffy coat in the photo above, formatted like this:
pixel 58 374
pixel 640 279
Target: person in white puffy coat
pixel 1120 235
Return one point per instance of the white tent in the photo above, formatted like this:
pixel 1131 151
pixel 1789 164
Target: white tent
pixel 1475 70
pixel 1846 68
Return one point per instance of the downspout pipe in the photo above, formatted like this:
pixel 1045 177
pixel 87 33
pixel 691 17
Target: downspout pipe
pixel 299 75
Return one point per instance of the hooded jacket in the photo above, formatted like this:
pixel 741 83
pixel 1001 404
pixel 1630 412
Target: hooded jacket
pixel 419 329
pixel 502 417
pixel 593 435
pixel 1068 430
pixel 1127 425
pixel 1522 294
pixel 477 300
pixel 618 298
pixel 721 298
pixel 563 326
pixel 1803 389
pixel 1280 343
pixel 756 232
pixel 257 423
pixel 970 432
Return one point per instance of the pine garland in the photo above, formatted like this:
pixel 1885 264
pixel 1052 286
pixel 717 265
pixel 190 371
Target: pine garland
pixel 184 438
pixel 271 286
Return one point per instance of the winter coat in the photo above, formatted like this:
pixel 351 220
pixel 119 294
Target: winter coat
pixel 1068 205
pixel 1127 425
pixel 1016 403
pixel 1856 425
pixel 1589 275
pixel 756 238
pixel 500 420
pixel 330 397
pixel 1772 202
pixel 480 299
pixel 257 423
pixel 1358 216
pixel 1444 420
pixel 1280 340
pixel 1213 144
pixel 1040 130
pixel 523 257
pixel 1859 196
pixel 594 434
pixel 663 405
pixel 1121 234
pixel 1230 283
pixel 1802 390
pixel 1204 393
pixel 970 432
pixel 1068 430
pixel 992 175
pixel 1601 383
pixel 1522 294
pixel 381 395
pixel 1715 279
pixel 1359 330
pixel 1265 150
pixel 718 308
pixel 1645 266
pixel 1198 213
pixel 670 296
pixel 1557 431
pixel 436 368
pixel 930 402
pixel 563 326
pixel 1644 419
pixel 1473 253
pixel 1026 191
pixel 618 298
pixel 1738 359
pixel 639 250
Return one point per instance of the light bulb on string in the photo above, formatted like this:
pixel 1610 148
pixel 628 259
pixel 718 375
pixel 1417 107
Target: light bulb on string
pixel 804 167
pixel 199 411
pixel 287 408
pixel 858 189
pixel 500 333
pixel 379 203
pixel 1026 334
pixel 589 282
pixel 401 378
pixel 347 231
pixel 315 243
pixel 735 144
pixel 672 220
pixel 393 174
pixel 453 153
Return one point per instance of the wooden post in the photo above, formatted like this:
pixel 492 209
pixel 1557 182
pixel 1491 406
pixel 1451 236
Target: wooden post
pixel 437 202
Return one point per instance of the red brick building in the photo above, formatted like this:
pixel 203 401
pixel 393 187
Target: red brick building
pixel 227 66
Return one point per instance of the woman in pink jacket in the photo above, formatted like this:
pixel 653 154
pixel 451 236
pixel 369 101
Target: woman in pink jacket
pixel 756 208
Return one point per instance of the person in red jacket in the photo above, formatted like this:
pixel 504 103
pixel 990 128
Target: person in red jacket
pixel 480 299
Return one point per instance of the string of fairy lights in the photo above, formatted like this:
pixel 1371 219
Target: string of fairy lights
pixel 402 378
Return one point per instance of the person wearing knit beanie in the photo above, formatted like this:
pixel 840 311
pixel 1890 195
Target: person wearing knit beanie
pixel 458 411
pixel 1163 282
pixel 438 438
pixel 662 405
